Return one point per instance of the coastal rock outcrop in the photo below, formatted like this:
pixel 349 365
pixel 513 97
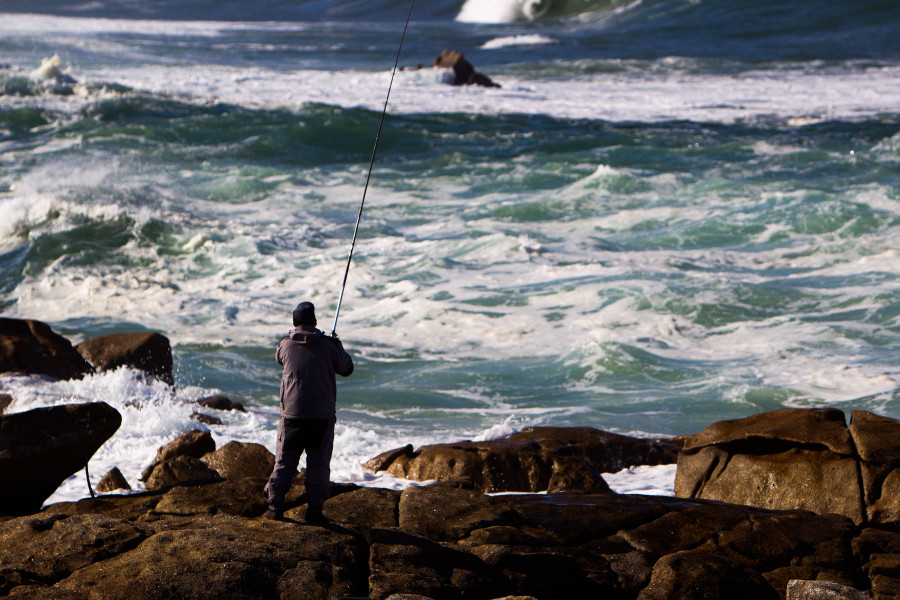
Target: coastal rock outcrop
pixel 41 448
pixel 208 541
pixel 806 459
pixel 533 460
pixel 33 348
pixel 145 351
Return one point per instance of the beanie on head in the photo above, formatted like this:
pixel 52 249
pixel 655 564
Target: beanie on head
pixel 305 314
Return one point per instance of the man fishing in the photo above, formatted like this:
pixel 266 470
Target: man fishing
pixel 308 411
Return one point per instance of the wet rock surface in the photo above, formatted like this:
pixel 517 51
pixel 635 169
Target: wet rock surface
pixel 146 351
pixel 533 460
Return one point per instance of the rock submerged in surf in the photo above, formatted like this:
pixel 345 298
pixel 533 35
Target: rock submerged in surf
pixel 146 351
pixel 31 347
pixel 463 71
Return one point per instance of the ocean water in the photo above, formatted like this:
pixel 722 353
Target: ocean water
pixel 671 212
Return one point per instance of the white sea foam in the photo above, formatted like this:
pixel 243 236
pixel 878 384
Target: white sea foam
pixel 519 40
pixel 502 11
pixel 645 480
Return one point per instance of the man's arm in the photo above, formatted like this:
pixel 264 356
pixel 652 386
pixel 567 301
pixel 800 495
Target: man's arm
pixel 279 356
pixel 344 364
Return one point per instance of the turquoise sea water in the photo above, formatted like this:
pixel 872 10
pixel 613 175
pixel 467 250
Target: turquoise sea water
pixel 669 214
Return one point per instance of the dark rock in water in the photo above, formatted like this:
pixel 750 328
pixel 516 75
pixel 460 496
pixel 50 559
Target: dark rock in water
pixel 5 401
pixel 798 459
pixel 112 481
pixel 181 469
pixel 206 419
pixel 194 443
pixel 146 351
pixel 41 448
pixel 463 71
pixel 536 459
pixel 31 347
pixel 221 403
pixel 236 460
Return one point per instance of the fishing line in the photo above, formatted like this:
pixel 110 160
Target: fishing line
pixel 369 176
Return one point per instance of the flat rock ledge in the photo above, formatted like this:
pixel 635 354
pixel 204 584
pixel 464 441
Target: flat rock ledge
pixel 210 541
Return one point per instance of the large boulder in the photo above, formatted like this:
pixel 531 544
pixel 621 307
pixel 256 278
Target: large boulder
pixel 41 448
pixel 179 461
pixel 181 469
pixel 236 460
pixel 31 347
pixel 536 459
pixel 195 443
pixel 785 459
pixel 145 351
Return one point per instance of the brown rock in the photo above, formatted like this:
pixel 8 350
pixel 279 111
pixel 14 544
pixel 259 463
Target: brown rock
pixel 221 403
pixel 877 438
pixel 785 459
pixel 146 351
pixel 50 546
pixel 31 347
pixel 778 430
pixel 401 563
pixel 447 514
pixel 206 419
pixel 194 443
pixel 181 469
pixel 5 401
pixel 236 460
pixel 112 481
pixel 822 482
pixel 240 497
pixel 223 557
pixel 447 543
pixel 536 459
pixel 41 448
pixel 364 507
pixel 691 575
pixel 463 71
pixel 823 590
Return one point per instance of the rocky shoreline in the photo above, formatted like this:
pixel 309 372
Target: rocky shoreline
pixel 794 503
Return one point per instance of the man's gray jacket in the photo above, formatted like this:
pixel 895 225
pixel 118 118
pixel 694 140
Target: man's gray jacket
pixel 310 360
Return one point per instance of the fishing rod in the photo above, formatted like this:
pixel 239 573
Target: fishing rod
pixel 369 175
